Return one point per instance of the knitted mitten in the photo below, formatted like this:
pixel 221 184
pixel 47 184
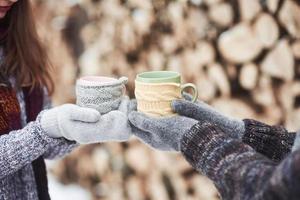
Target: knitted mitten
pixel 160 133
pixel 203 112
pixel 86 125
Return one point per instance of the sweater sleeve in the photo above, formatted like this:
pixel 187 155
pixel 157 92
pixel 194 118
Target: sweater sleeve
pixel 237 170
pixel 275 142
pixel 62 148
pixel 19 148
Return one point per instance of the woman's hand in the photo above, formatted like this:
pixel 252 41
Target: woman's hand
pixel 86 125
pixel 202 112
pixel 161 133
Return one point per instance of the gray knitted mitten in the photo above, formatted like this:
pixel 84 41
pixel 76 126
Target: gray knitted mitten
pixel 160 133
pixel 203 112
pixel 86 125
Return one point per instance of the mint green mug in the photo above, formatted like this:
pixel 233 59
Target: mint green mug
pixel 155 90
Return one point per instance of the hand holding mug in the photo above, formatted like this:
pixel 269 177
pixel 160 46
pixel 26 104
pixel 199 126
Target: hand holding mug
pixel 101 114
pixel 87 125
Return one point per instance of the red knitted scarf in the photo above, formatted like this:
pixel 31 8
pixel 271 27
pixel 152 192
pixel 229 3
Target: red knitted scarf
pixel 9 110
pixel 10 119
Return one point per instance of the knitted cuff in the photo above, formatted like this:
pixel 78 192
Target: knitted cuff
pixel 53 146
pixel 49 123
pixel 272 141
pixel 198 143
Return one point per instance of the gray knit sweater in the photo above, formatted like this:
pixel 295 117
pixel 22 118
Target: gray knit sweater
pixel 19 148
pixel 237 170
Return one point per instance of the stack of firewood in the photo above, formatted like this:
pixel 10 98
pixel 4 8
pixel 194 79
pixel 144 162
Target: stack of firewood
pixel 244 56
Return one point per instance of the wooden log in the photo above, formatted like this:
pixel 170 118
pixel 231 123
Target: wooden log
pixel 178 183
pixel 272 5
pixel 113 10
pixel 289 17
pixel 296 49
pixel 155 186
pixel 206 88
pixel 249 9
pixel 175 13
pixel 100 159
pixel 239 44
pixel 191 63
pixel 206 191
pixel 127 36
pixel 142 20
pixel 212 2
pixel 218 76
pixel 175 63
pixel 196 2
pixel 271 115
pixel 296 88
pixel 197 25
pixel 146 4
pixel 137 157
pixel 286 95
pixel 234 108
pixel 266 30
pixel 221 14
pixel 231 71
pixel 263 93
pixel 248 76
pixel 279 62
pixel 155 60
pixel 292 120
pixel 205 53
pixel 134 188
pixel 168 44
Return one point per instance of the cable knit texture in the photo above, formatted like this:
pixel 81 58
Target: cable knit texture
pixel 103 97
pixel 154 99
pixel 237 170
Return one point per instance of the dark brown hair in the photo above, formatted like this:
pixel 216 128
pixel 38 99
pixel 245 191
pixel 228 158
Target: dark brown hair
pixel 25 57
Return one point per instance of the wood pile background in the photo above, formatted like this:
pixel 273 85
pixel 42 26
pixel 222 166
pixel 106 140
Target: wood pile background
pixel 244 56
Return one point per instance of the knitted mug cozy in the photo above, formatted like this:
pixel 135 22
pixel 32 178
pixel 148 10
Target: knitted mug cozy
pixel 101 93
pixel 155 99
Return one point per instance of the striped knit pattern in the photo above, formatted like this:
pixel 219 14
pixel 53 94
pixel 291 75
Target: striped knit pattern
pixel 237 170
pixel 275 142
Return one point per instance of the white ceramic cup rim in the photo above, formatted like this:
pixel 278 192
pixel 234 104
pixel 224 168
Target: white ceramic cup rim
pixel 97 81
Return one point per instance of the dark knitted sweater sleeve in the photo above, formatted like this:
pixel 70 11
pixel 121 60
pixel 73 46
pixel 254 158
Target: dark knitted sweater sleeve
pixel 237 170
pixel 275 142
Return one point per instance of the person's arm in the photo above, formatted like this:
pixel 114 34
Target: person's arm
pixel 60 149
pixel 19 148
pixel 237 170
pixel 273 141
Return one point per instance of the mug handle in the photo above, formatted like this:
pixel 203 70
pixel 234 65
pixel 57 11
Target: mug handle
pixel 124 90
pixel 194 88
pixel 124 81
